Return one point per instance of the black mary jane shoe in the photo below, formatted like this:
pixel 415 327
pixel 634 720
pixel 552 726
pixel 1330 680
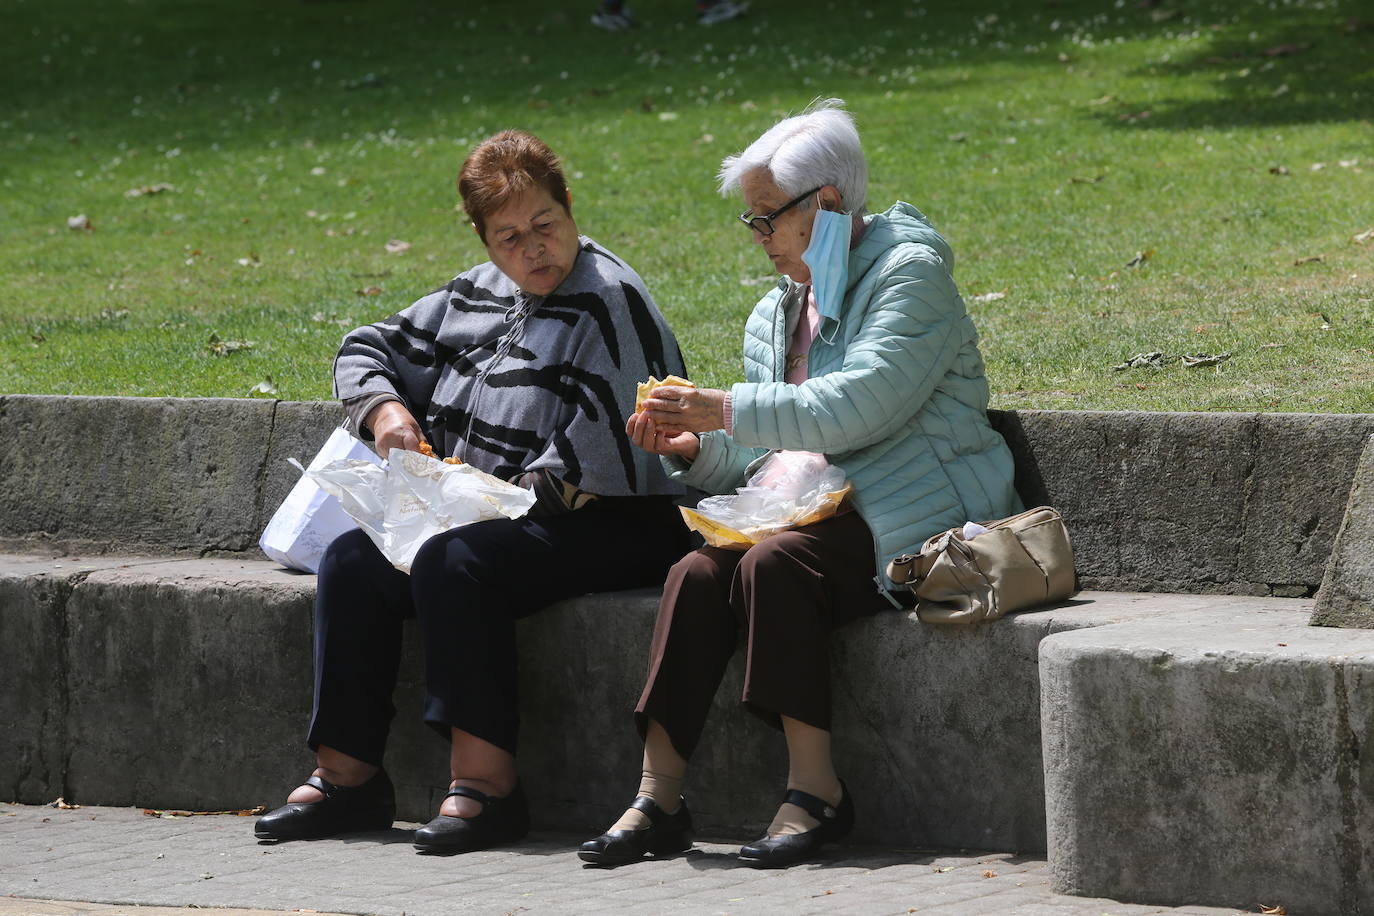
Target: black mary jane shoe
pixel 665 835
pixel 344 809
pixel 502 820
pixel 781 851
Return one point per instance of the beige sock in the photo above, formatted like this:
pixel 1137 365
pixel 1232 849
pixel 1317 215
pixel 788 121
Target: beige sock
pixel 660 780
pixel 810 769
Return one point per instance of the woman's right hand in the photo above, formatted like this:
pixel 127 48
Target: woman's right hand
pixel 643 433
pixel 393 427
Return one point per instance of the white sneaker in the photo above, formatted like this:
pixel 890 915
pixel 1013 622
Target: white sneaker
pixel 613 22
pixel 721 11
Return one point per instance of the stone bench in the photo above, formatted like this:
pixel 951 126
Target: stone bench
pixel 152 657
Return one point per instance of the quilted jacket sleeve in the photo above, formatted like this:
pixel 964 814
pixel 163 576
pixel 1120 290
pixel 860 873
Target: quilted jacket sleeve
pixel 912 327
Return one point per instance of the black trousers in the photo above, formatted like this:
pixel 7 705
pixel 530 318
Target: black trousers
pixel 467 587
pixel 787 594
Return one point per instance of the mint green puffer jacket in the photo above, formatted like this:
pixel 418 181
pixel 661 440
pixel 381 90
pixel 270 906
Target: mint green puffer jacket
pixel 896 394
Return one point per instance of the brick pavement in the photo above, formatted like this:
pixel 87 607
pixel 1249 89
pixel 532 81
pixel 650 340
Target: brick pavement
pixel 71 861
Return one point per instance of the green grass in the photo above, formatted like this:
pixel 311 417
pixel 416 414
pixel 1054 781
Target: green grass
pixel 1050 142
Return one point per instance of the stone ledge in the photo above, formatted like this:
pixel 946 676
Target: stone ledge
pixel 187 684
pixel 1213 761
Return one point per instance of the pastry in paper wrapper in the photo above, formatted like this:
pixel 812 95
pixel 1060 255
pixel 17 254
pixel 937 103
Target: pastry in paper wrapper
pixel 416 497
pixel 789 490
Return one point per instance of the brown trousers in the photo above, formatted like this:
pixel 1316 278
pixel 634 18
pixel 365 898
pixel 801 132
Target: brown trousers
pixel 787 593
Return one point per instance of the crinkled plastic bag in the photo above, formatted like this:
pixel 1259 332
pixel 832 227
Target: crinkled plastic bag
pixel 789 490
pixel 416 497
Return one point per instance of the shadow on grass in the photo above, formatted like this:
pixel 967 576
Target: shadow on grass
pixel 250 72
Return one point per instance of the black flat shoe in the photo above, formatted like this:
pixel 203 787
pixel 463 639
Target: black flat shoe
pixel 781 851
pixel 503 820
pixel 665 835
pixel 344 809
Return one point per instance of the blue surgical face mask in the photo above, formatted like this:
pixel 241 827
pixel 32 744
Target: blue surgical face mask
pixel 828 257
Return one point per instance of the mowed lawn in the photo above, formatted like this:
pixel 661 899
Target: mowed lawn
pixel 1116 178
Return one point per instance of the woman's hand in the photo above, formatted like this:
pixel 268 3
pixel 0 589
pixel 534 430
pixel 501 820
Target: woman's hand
pixel 675 409
pixel 645 434
pixel 393 427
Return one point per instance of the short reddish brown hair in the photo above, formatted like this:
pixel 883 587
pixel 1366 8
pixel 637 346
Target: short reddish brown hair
pixel 504 165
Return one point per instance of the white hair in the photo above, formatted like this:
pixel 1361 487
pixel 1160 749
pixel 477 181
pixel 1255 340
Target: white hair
pixel 820 146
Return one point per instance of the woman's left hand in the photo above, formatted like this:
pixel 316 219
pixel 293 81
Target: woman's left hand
pixel 675 409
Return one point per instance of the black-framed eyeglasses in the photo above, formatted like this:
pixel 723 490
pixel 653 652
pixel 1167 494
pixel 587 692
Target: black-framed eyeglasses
pixel 763 225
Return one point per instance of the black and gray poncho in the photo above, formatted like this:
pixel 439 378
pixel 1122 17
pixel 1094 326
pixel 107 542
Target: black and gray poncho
pixel 512 383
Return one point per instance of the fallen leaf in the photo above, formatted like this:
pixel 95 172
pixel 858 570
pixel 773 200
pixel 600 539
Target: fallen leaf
pixel 1093 180
pixel 1285 49
pixel 667 115
pixel 224 347
pixel 264 388
pixel 1276 910
pixel 1130 117
pixel 1278 170
pixel 989 873
pixel 960 137
pixel 250 261
pixel 941 869
pixel 61 804
pixel 1104 100
pixel 1364 237
pixel 80 222
pixel 1141 257
pixel 236 812
pixel 1141 385
pixel 1152 360
pixel 148 190
pixel 369 291
pixel 1314 259
pixel 396 246
pixel 989 297
pixel 1198 360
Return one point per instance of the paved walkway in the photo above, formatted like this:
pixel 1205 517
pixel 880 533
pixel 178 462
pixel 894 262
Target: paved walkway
pixel 68 862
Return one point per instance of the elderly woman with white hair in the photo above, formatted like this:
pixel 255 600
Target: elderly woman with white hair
pixel 866 354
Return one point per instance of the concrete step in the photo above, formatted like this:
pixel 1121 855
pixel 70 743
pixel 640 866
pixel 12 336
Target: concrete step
pixel 1212 759
pixel 187 684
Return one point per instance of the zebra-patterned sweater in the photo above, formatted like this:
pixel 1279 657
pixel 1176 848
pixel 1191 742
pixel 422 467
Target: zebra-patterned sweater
pixel 511 383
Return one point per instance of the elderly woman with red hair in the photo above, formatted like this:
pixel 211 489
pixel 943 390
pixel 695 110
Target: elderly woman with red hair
pixel 525 367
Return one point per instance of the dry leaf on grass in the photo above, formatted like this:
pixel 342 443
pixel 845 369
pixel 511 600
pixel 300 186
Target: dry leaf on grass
pixel 369 291
pixel 80 222
pixel 1198 360
pixel 1141 257
pixel 149 190
pixel 989 297
pixel 1364 237
pixel 263 389
pixel 1278 170
pixel 396 246
pixel 1151 360
pixel 1312 259
pixel 224 347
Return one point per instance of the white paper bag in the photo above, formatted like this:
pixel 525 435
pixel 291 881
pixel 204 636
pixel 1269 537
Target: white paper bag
pixel 309 518
pixel 416 497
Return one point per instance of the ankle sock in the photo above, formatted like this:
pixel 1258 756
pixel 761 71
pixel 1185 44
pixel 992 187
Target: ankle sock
pixel 666 792
pixel 810 769
pixel 660 779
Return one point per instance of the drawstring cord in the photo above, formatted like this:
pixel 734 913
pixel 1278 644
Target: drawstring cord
pixel 517 315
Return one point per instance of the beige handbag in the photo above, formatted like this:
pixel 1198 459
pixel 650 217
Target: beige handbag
pixel 1017 563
